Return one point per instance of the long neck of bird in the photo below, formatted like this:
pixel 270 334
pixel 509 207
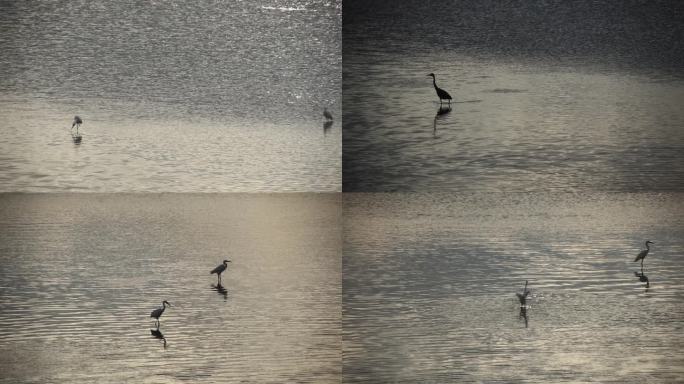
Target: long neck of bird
pixel 434 82
pixel 647 247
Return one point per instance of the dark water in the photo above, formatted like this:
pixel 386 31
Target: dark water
pixel 548 96
pixel 81 273
pixel 206 96
pixel 429 283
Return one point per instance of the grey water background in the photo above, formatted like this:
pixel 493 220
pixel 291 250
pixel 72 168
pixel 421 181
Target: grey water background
pixel 429 283
pixel 82 272
pixel 548 96
pixel 203 96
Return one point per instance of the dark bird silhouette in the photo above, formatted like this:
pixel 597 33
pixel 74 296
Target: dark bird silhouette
pixel 327 114
pixel 76 136
pixel 219 270
pixel 642 255
pixel 77 123
pixel 442 94
pixel 159 311
pixel 523 296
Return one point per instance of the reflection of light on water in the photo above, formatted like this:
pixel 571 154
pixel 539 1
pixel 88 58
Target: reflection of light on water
pixel 456 261
pixel 284 9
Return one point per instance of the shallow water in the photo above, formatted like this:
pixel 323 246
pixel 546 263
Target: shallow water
pixel 546 97
pixel 175 97
pixel 81 274
pixel 429 286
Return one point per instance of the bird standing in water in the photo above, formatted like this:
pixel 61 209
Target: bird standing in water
pixel 159 311
pixel 219 270
pixel 77 123
pixel 442 94
pixel 328 116
pixel 523 296
pixel 642 255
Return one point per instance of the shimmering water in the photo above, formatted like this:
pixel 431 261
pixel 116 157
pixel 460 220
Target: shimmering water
pixel 548 96
pixel 81 273
pixel 429 286
pixel 206 96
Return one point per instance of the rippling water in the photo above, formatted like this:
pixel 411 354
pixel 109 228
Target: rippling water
pixel 205 96
pixel 548 96
pixel 429 286
pixel 81 273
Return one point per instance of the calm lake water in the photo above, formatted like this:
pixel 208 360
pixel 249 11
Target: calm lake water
pixel 81 273
pixel 429 285
pixel 548 96
pixel 176 97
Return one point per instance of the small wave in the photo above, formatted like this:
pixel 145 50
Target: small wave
pixel 507 90
pixel 283 9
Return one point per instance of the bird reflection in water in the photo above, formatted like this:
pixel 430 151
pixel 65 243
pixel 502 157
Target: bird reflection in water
pixel 522 297
pixel 326 126
pixel 643 278
pixel 221 290
pixel 443 110
pixel 523 315
pixel 159 335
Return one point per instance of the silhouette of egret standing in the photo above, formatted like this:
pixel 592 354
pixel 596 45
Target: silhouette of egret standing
pixel 219 270
pixel 327 114
pixel 159 311
pixel 642 255
pixel 442 94
pixel 523 296
pixel 77 123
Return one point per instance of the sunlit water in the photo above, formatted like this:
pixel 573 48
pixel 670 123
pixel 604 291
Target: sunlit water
pixel 205 96
pixel 548 96
pixel 81 273
pixel 429 285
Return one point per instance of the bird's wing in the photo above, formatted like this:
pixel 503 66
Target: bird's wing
pixel 641 255
pixel 218 269
pixel 520 296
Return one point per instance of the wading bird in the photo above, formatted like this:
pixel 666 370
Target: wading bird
pixel 442 94
pixel 327 114
pixel 523 296
pixel 219 270
pixel 642 255
pixel 77 123
pixel 159 311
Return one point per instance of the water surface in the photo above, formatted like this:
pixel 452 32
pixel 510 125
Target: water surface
pixel 429 283
pixel 211 96
pixel 548 96
pixel 81 274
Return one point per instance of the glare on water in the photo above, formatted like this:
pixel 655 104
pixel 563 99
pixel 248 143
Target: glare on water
pixel 81 274
pixel 430 283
